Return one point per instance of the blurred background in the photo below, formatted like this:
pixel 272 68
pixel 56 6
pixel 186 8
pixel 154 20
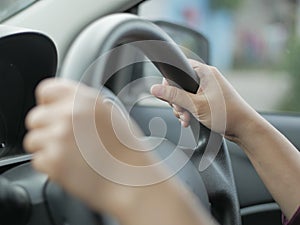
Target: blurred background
pixel 254 43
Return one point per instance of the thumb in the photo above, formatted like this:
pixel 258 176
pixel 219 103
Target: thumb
pixel 174 95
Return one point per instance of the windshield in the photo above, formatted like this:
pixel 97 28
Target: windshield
pixel 255 44
pixel 10 7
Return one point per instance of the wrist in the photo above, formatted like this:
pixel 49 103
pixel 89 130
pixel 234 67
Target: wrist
pixel 256 131
pixel 247 126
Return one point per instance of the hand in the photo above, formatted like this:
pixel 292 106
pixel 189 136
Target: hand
pixel 216 104
pixel 64 144
pixel 66 147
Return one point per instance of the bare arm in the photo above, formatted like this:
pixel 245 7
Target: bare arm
pixel 167 203
pixel 275 159
pixel 74 141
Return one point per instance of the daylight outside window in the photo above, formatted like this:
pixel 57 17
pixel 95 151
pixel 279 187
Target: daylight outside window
pixel 254 43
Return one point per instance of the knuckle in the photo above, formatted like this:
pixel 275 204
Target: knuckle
pixel 45 88
pixel 215 71
pixel 35 117
pixel 212 67
pixel 28 120
pixel 31 118
pixel 32 142
pixel 173 94
pixel 55 88
pixel 39 91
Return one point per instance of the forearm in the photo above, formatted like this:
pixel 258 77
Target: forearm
pixel 166 203
pixel 276 160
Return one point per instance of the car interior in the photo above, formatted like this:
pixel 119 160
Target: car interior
pixel 111 46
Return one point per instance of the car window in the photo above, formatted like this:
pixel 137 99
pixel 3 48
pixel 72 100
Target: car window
pixel 254 43
pixel 10 7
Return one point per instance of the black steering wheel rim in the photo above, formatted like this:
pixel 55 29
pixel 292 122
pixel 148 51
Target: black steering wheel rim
pixel 114 30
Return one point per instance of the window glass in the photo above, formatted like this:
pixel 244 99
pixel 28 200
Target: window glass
pixel 10 7
pixel 254 43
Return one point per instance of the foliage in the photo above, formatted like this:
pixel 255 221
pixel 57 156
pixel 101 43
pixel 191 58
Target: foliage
pixel 225 4
pixel 292 66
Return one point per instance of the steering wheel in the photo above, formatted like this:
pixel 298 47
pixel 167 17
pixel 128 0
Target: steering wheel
pixel 38 201
pixel 108 34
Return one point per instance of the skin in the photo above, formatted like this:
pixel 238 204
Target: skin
pixel 275 159
pixel 55 143
pixel 53 140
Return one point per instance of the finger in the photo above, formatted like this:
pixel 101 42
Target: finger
pixel 53 89
pixel 178 108
pixel 207 78
pixel 48 161
pixel 176 113
pixel 180 112
pixel 174 95
pixel 203 71
pixel 37 117
pixel 39 162
pixel 36 140
pixel 195 63
pixel 185 116
pixel 45 115
pixel 165 82
pixel 184 123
